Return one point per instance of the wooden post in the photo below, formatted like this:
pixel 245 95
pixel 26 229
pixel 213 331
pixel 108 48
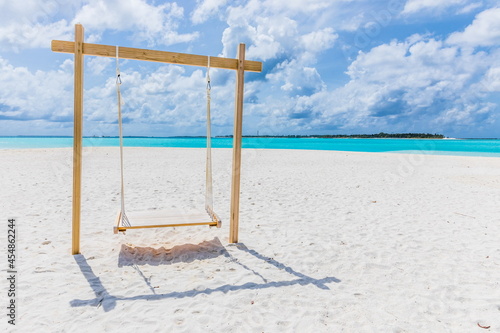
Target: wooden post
pixel 79 48
pixel 237 133
pixel 77 138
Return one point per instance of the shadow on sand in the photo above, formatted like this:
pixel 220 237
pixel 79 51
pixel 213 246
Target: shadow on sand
pixel 137 256
pixel 187 253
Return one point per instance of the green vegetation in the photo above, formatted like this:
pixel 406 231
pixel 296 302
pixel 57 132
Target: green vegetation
pixel 387 135
pixel 380 135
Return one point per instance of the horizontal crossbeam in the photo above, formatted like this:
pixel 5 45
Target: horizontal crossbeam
pixel 156 56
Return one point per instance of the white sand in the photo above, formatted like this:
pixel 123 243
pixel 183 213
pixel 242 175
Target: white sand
pixel 330 242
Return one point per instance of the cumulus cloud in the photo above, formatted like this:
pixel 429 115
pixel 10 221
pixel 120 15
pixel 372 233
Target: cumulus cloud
pixel 24 36
pixel 30 24
pixel 205 9
pixel 469 7
pixel 420 84
pixel 274 29
pixel 34 23
pixel 414 6
pixel 484 30
pixel 318 40
pixel 295 79
pixel 276 32
pixel 164 102
pixel 281 34
pixel 155 24
pixel 27 11
pixel 97 65
pixel 412 83
pixel 38 95
pixel 169 100
pixel 295 7
pixel 491 81
pixel 423 80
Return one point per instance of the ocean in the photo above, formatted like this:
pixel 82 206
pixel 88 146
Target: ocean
pixel 459 147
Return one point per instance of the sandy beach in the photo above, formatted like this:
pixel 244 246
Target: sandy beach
pixel 329 242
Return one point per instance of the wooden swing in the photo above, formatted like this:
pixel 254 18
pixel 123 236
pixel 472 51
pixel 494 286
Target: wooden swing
pixel 162 219
pixel 240 65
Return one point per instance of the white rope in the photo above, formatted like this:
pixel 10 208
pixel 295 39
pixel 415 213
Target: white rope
pixel 209 201
pixel 208 171
pixel 125 220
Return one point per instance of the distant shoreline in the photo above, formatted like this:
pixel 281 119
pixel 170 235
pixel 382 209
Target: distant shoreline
pixel 380 135
pixel 478 147
pixel 313 136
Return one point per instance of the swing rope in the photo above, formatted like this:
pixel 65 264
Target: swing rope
pixel 208 167
pixel 124 218
pixel 209 201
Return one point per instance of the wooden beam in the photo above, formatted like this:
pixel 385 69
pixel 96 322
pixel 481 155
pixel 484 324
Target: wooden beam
pixel 77 137
pixel 237 134
pixel 157 56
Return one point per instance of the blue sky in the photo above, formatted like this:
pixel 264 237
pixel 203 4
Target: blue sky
pixel 330 66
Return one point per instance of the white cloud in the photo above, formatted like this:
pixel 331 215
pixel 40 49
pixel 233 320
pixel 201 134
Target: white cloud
pixel 30 24
pixel 484 30
pixel 421 81
pixel 39 95
pixel 26 11
pixel 296 79
pixel 469 8
pixel 319 40
pixel 97 65
pixel 414 6
pixel 24 36
pixel 205 9
pixel 271 38
pixel 491 81
pixel 33 23
pixel 421 84
pixel 466 114
pixel 166 101
pixel 155 24
pixel 354 23
pixel 169 100
pixel 417 82
pixel 297 6
pixel 282 34
pixel 124 15
pixel 264 47
pixel 274 29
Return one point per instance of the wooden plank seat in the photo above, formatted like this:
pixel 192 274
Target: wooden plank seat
pixel 163 219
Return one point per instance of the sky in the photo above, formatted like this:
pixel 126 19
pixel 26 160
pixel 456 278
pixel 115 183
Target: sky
pixel 329 67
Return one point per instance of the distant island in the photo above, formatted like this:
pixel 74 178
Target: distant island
pixel 380 135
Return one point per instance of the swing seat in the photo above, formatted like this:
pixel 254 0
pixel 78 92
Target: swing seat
pixel 164 219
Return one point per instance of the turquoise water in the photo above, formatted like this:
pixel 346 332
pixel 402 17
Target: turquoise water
pixel 469 147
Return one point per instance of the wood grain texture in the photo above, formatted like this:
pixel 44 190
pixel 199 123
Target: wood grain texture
pixel 156 56
pixel 163 219
pixel 77 137
pixel 237 134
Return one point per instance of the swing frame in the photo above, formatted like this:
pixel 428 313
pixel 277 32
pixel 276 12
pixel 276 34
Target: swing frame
pixel 79 48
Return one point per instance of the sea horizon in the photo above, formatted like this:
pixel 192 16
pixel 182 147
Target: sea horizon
pixel 297 136
pixel 487 147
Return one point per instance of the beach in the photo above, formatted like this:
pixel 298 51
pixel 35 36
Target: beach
pixel 329 241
